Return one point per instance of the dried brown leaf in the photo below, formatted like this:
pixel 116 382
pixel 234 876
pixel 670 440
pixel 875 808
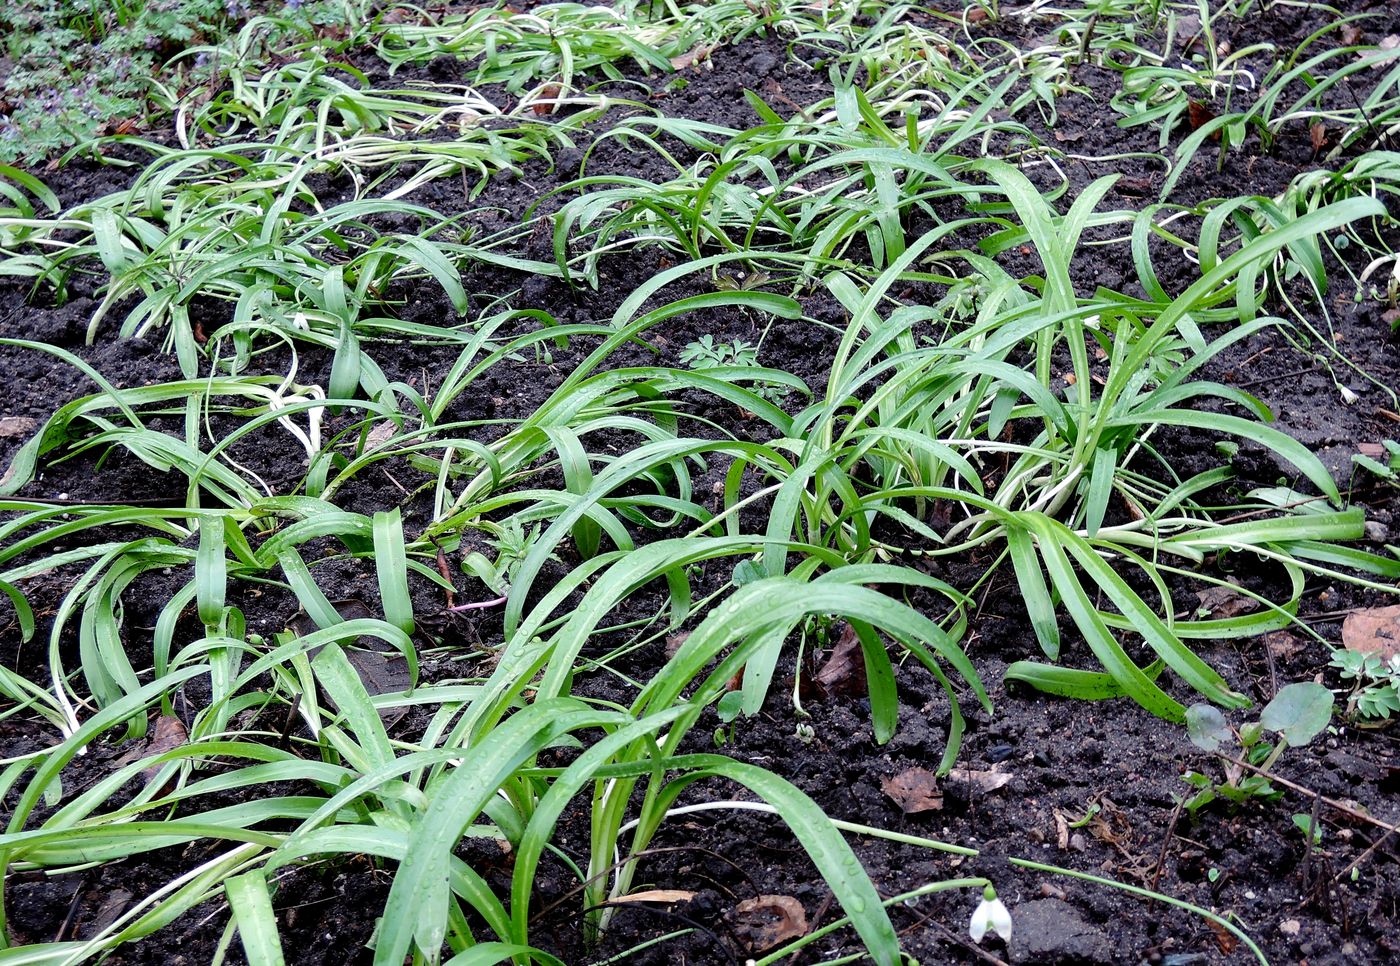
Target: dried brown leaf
pixel 980 781
pixel 381 673
pixel 381 433
pixel 168 734
pixel 1350 34
pixel 691 57
pixel 13 426
pixel 1373 631
pixel 1198 114
pixel 1222 602
pixel 1224 939
pixel 547 92
pixel 767 921
pixel 844 670
pixel 1283 645
pixel 674 642
pixel 1317 134
pixel 914 790
pixel 1188 28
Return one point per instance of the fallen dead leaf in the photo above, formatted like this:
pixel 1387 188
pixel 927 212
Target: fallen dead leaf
pixel 766 921
pixel 1350 34
pixel 844 670
pixel 1373 631
pixel 547 92
pixel 1317 134
pixel 1222 602
pixel 379 671
pixel 691 57
pixel 168 734
pixel 674 642
pixel 1134 187
pixel 1224 939
pixel 1283 645
pixel 113 904
pixel 1188 28
pixel 12 426
pixel 665 896
pixel 914 790
pixel 980 781
pixel 977 15
pixel 1198 114
pixel 380 434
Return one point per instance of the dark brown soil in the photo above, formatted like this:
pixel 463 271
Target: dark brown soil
pixel 1065 759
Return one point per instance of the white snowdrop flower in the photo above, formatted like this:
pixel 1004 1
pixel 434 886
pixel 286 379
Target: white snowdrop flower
pixel 1348 396
pixel 991 913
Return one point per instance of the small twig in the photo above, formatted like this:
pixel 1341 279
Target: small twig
pixel 72 916
pixel 1275 378
pixel 1356 864
pixel 1088 35
pixel 1273 671
pixel 1332 615
pixel 1166 843
pixel 814 923
pixel 285 737
pixel 445 573
pixel 1342 807
pixel 396 483
pixel 953 937
pixel 1313 833
pixel 478 605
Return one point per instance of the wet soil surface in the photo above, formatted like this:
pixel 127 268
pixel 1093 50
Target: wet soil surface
pixel 1092 787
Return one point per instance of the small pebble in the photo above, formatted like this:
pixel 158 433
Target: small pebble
pixel 1290 927
pixel 1077 843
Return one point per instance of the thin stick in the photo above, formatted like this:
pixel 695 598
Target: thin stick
pixel 1363 856
pixel 1313 834
pixel 1332 802
pixel 478 605
pixel 1167 843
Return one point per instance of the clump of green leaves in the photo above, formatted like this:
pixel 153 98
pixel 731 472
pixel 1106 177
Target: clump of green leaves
pixel 706 353
pixel 1297 715
pixel 1385 464
pixel 512 543
pixel 70 72
pixel 1375 684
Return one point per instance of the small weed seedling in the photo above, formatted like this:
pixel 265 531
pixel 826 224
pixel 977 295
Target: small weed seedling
pixel 1375 685
pixel 706 353
pixel 1297 714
